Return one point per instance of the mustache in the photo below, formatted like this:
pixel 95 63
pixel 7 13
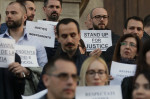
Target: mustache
pixel 101 23
pixel 54 13
pixel 69 44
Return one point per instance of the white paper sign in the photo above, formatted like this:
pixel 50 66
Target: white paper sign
pixel 42 32
pixel 48 22
pixel 120 71
pixel 37 95
pixel 7 52
pixel 99 92
pixel 28 55
pixel 96 39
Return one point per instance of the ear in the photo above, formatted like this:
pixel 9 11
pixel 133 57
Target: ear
pixel 79 35
pixel 46 80
pixel 25 17
pixel 124 31
pixel 44 9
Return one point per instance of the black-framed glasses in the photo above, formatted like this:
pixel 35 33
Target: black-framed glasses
pixel 131 44
pixel 93 73
pixel 65 76
pixel 99 17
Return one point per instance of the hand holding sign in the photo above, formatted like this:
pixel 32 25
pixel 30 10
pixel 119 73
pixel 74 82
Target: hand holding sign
pixel 96 52
pixel 18 70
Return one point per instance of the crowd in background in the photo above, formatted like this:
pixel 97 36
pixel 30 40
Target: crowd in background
pixel 68 65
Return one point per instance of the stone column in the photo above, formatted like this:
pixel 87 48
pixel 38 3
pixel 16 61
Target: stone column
pixel 70 9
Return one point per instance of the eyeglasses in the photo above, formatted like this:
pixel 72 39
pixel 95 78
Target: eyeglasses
pixel 65 76
pixel 99 17
pixel 131 44
pixel 93 73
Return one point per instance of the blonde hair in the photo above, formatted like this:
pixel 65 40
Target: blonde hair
pixel 85 66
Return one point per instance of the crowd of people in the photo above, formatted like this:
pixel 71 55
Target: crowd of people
pixel 68 65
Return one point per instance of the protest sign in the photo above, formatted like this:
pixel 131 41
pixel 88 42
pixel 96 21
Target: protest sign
pixel 36 96
pixel 48 22
pixel 27 55
pixel 119 71
pixel 42 32
pixel 98 92
pixel 7 52
pixel 96 39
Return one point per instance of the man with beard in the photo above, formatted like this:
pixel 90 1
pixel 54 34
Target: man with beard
pixel 68 35
pixel 52 9
pixel 99 18
pixel 16 15
pixel 29 4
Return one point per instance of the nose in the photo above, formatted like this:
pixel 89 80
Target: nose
pixel 140 90
pixel 135 31
pixel 69 39
pixel 96 76
pixel 70 81
pixel 33 12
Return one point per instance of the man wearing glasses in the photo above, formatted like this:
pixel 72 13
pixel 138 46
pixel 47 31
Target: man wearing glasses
pixel 60 79
pixel 99 18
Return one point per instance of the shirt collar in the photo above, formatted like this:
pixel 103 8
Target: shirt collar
pixel 7 35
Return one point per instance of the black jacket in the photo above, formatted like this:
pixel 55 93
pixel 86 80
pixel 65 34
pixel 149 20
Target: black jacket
pixel 78 59
pixel 11 87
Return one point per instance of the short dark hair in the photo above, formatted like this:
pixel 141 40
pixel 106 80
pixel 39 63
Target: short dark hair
pixel 134 18
pixel 46 2
pixel 21 5
pixel 117 56
pixel 67 21
pixel 147 21
pixel 146 74
pixel 50 66
pixel 24 1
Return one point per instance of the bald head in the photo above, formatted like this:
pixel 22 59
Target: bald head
pixel 99 18
pixel 88 22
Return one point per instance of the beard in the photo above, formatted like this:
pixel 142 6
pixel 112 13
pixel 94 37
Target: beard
pixel 70 50
pixel 53 17
pixel 30 18
pixel 96 27
pixel 11 24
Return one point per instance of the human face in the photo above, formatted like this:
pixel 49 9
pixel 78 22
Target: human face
pixel 141 88
pixel 98 79
pixel 53 10
pixel 69 37
pixel 58 88
pixel 129 48
pixel 15 16
pixel 30 10
pixel 148 57
pixel 135 27
pixel 99 19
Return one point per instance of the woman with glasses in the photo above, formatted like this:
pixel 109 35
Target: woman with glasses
pixel 127 49
pixel 94 72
